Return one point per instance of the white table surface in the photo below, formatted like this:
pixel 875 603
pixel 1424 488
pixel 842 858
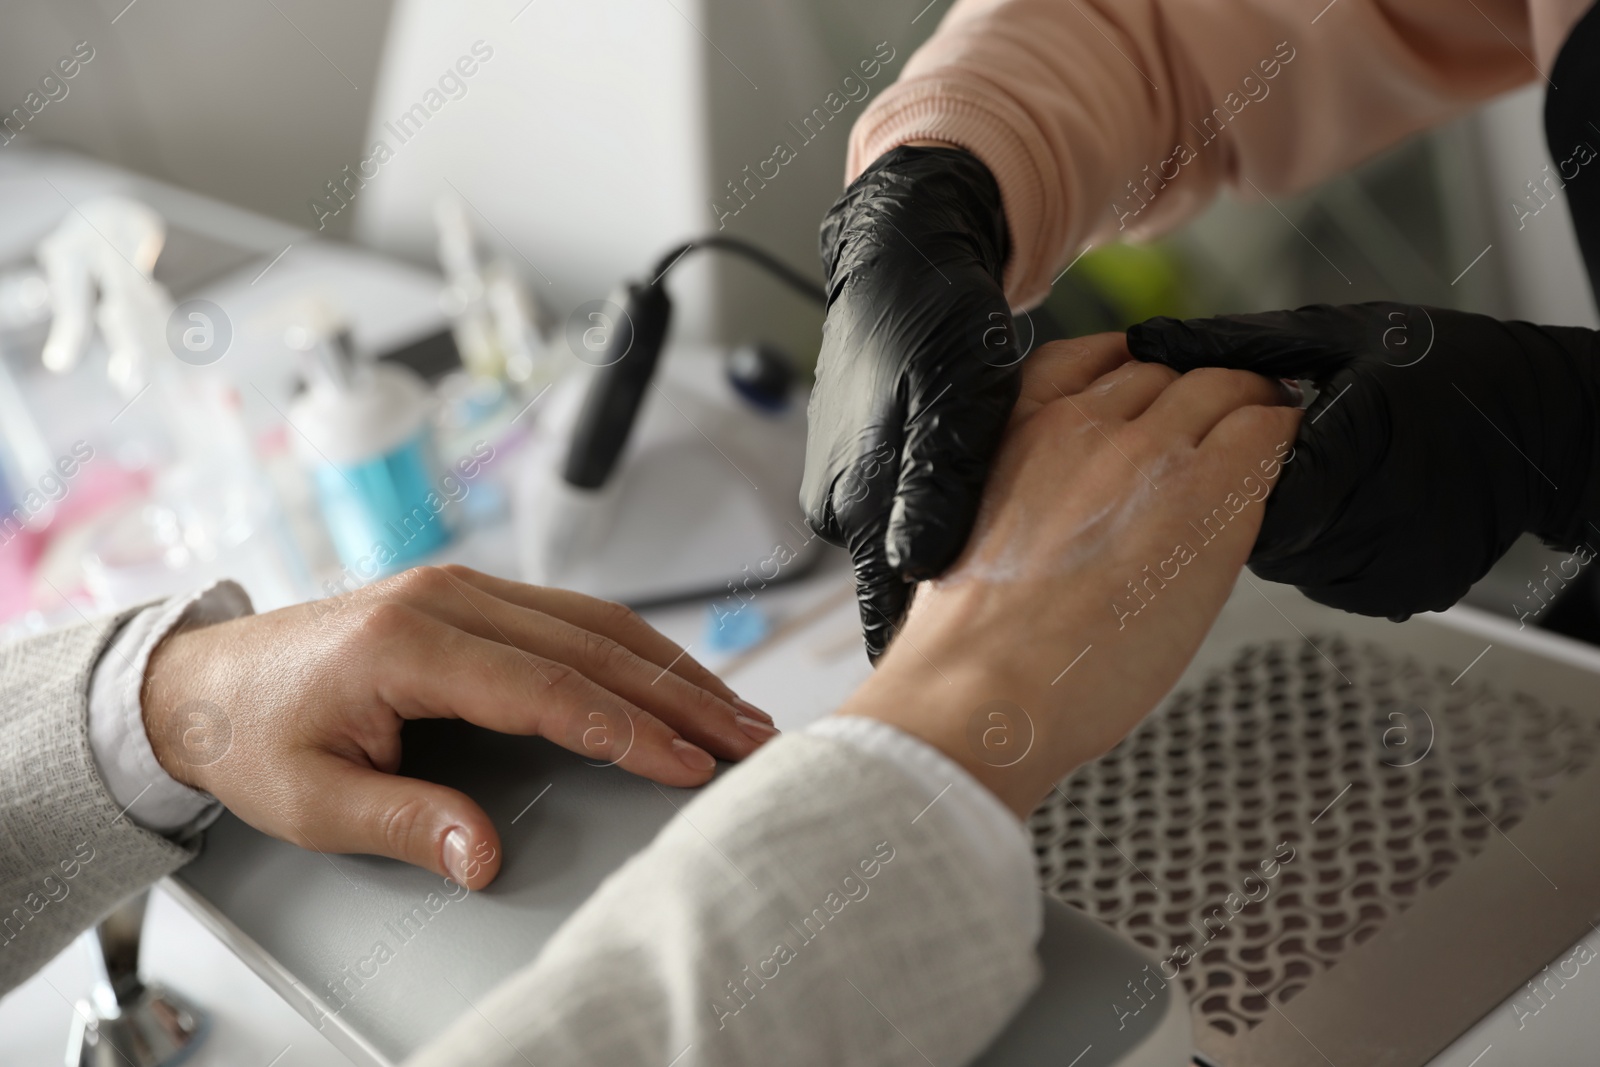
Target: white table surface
pixel 800 676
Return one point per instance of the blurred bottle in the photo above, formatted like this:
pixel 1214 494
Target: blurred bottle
pixel 501 330
pixel 365 432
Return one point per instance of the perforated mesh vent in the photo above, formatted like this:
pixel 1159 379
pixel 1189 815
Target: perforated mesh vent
pixel 1379 774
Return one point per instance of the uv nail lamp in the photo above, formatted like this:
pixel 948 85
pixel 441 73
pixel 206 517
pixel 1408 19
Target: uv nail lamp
pixel 677 483
pixel 1344 848
pixel 691 491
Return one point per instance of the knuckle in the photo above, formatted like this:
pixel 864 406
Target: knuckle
pixel 606 655
pixel 561 678
pixel 1141 438
pixel 1155 374
pixel 419 583
pixel 398 825
pixel 1060 417
pixel 1214 377
pixel 386 621
pixel 458 571
pixel 1264 425
pixel 619 618
pixel 1257 418
pixel 704 704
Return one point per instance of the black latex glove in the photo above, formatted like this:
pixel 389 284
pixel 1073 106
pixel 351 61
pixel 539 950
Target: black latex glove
pixel 917 375
pixel 1436 439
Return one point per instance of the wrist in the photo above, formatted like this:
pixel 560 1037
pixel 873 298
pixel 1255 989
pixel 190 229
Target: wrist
pixel 174 720
pixel 979 702
pixel 967 717
pixel 933 192
pixel 186 732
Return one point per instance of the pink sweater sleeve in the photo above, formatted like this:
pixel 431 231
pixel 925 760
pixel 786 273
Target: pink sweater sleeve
pixel 1111 118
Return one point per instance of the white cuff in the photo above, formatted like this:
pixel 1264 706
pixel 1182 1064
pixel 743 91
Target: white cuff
pixel 127 764
pixel 993 833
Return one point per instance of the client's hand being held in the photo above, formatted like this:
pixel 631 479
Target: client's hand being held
pixel 314 696
pixel 1121 507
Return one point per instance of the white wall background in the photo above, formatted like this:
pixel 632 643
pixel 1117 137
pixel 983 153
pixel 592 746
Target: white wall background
pixel 246 102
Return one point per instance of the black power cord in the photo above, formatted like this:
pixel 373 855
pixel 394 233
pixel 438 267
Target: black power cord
pixel 628 360
pixel 777 268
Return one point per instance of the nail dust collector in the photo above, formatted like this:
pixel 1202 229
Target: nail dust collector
pixel 1342 846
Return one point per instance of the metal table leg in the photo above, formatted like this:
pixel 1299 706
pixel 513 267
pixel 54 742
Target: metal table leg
pixel 126 1022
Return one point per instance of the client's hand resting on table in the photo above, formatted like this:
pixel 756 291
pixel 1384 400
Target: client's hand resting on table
pixel 315 695
pixel 1092 574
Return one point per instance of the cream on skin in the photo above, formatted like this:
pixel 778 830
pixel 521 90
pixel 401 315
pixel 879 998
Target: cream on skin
pixel 1033 589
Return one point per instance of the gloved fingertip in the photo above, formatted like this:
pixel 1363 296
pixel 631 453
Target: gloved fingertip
pixel 925 551
pixel 883 607
pixel 1150 341
pixel 929 526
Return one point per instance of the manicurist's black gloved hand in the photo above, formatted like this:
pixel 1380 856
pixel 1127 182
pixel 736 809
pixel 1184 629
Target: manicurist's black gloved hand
pixel 1436 439
pixel 917 374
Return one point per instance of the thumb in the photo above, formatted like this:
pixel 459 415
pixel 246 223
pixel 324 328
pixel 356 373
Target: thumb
pixel 949 443
pixel 362 810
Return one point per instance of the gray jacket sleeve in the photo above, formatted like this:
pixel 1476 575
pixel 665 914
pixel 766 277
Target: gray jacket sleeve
pixel 67 853
pixel 814 906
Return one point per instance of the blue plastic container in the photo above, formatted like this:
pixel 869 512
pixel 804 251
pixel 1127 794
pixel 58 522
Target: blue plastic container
pixel 385 514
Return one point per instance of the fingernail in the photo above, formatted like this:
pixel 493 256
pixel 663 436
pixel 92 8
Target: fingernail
pixel 457 854
pixel 696 759
pixel 1293 395
pixel 751 710
pixel 755 731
